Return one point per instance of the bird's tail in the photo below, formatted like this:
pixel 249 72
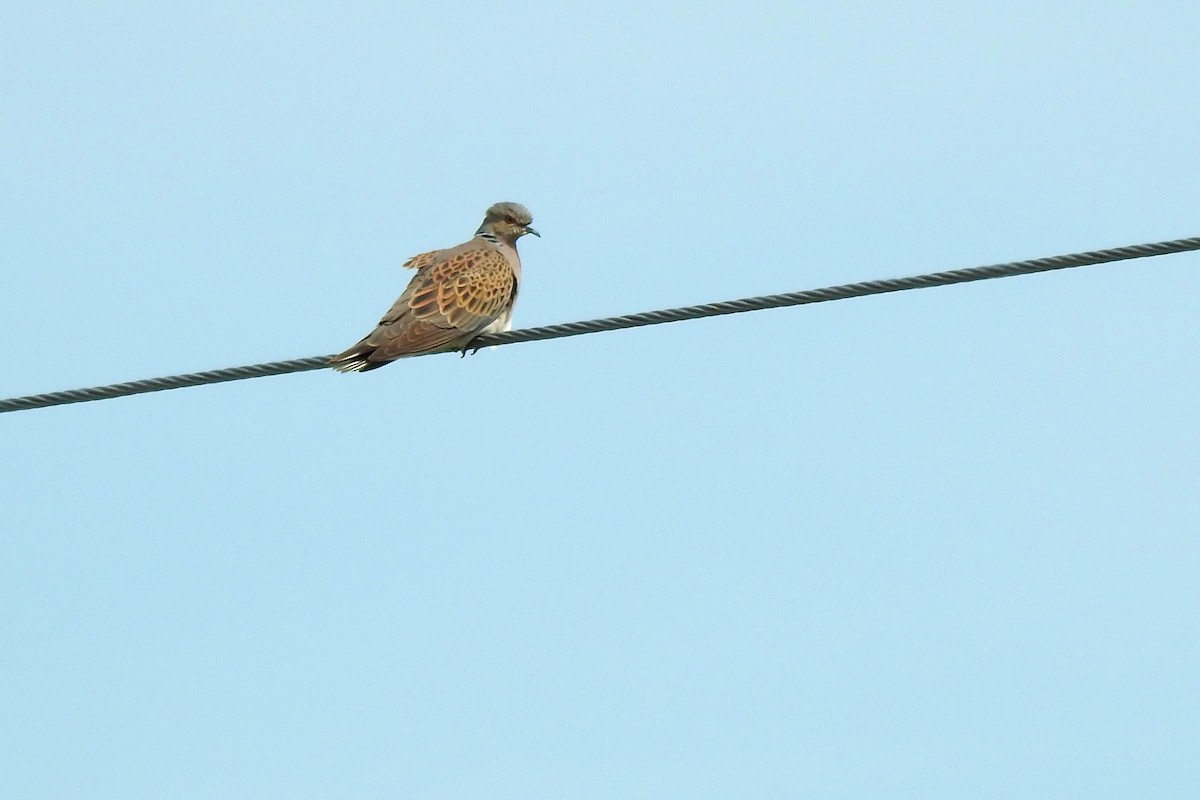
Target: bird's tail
pixel 356 359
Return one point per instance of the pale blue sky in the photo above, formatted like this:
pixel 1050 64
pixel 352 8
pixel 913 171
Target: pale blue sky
pixel 936 544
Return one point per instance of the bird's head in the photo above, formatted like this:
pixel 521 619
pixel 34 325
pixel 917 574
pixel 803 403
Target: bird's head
pixel 508 222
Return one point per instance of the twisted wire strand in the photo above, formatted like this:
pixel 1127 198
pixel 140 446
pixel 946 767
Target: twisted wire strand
pixel 842 292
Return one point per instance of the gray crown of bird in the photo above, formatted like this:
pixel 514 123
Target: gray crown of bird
pixel 457 295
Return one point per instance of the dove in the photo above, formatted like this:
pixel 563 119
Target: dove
pixel 457 295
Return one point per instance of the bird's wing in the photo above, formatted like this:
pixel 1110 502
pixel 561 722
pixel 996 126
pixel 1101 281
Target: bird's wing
pixel 454 295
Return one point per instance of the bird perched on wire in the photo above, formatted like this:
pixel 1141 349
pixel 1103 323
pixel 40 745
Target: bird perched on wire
pixel 457 295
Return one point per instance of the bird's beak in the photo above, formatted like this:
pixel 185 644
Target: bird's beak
pixel 531 230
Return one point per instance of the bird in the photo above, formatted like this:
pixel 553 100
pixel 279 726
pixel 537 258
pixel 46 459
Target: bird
pixel 457 295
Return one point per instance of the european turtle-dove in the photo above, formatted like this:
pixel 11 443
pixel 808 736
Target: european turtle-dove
pixel 457 294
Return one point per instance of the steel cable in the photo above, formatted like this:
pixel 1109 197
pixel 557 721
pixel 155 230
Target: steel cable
pixel 843 292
